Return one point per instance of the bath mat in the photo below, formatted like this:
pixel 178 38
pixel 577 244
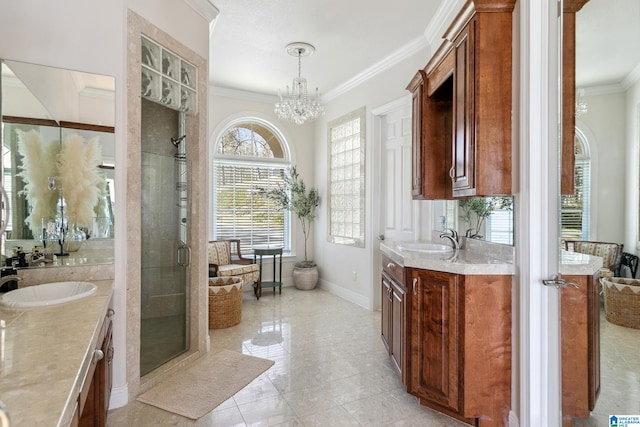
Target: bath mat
pixel 198 389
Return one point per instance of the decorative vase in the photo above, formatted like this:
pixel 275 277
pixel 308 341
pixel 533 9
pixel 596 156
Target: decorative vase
pixel 73 239
pixel 305 278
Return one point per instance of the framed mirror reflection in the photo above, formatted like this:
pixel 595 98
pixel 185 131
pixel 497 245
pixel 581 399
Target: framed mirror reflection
pixel 58 165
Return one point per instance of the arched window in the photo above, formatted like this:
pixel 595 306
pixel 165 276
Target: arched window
pixel 250 157
pixel 575 207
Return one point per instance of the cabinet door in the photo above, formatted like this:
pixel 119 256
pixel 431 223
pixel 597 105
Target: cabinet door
pixel 463 156
pixel 417 93
pixel 386 311
pixel 104 373
pixel 435 359
pixel 580 323
pixel 397 326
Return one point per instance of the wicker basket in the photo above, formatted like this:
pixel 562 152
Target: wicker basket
pixel 225 302
pixel 622 301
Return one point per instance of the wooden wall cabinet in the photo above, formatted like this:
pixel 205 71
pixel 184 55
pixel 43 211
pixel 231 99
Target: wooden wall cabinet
pixel 394 314
pixel 460 345
pixel 93 403
pixel 580 336
pixel 466 116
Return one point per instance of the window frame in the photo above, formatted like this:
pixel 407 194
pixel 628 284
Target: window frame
pixel 349 240
pixel 282 163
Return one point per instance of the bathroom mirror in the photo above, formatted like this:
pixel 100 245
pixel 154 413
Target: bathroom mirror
pixel 483 218
pixel 58 132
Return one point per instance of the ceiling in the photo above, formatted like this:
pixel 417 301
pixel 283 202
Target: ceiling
pixel 248 39
pixel 607 36
pixel 247 47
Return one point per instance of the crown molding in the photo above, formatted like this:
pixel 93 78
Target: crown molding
pixel 389 61
pixel 244 95
pixel 444 16
pixel 204 8
pixel 632 78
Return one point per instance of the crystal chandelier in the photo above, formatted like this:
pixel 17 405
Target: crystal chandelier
pixel 581 105
pixel 296 106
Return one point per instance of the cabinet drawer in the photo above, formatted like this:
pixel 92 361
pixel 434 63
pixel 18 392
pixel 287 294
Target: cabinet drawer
pixel 395 270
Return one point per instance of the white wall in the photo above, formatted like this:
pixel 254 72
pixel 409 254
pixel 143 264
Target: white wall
pixel 337 263
pixel 91 37
pixel 604 126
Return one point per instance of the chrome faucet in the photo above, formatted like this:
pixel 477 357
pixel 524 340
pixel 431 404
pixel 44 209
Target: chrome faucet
pixel 451 232
pixel 453 237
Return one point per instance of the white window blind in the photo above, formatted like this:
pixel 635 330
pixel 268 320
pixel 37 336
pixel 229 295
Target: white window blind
pixel 242 212
pixel 575 207
pixel 500 227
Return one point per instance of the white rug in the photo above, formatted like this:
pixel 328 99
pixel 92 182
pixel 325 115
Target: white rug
pixel 201 387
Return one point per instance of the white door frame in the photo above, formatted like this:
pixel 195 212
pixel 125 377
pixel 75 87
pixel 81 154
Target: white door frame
pixel 537 196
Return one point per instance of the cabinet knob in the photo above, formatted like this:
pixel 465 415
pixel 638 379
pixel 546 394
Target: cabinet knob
pixel 390 265
pixel 452 173
pixel 110 312
pixel 413 286
pixel 98 355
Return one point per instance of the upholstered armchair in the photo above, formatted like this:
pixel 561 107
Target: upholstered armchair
pixel 611 253
pixel 222 263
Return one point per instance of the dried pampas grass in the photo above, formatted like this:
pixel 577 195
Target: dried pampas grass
pixel 79 178
pixel 74 164
pixel 38 164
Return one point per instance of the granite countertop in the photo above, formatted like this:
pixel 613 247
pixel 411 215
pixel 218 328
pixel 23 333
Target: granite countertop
pixel 479 258
pixel 471 261
pixel 577 264
pixel 45 353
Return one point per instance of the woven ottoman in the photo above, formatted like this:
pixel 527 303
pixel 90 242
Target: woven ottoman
pixel 225 302
pixel 622 301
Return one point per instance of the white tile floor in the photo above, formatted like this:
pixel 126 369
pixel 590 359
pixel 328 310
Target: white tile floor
pixel 332 370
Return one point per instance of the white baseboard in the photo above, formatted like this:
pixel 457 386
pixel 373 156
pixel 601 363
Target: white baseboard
pixel 119 397
pixel 346 294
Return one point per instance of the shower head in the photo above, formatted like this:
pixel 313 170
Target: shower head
pixel 177 141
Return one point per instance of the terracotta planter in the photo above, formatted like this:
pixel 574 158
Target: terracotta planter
pixel 305 278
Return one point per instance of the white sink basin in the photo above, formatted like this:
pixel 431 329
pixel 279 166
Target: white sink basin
pixel 48 294
pixel 424 247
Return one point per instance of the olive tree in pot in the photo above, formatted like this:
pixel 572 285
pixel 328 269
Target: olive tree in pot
pixel 294 197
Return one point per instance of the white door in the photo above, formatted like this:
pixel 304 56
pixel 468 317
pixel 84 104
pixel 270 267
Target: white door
pixel 397 216
pixel 394 214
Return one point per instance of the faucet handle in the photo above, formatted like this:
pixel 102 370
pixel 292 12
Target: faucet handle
pixel 453 233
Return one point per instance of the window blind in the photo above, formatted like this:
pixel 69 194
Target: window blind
pixel 575 207
pixel 241 211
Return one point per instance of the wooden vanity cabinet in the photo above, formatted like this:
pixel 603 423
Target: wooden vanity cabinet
pixel 580 336
pixel 394 306
pixel 93 402
pixel 460 345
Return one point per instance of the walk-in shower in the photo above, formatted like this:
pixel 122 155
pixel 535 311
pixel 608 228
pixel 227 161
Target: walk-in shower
pixel 166 254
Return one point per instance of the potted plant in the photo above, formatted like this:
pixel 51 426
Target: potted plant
pixel 294 197
pixel 481 208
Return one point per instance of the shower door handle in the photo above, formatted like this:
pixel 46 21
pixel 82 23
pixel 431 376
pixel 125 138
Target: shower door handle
pixel 184 255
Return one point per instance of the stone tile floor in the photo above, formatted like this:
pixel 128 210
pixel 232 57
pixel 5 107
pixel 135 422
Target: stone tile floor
pixel 333 370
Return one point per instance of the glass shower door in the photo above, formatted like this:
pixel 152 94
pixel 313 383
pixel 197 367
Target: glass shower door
pixel 165 259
